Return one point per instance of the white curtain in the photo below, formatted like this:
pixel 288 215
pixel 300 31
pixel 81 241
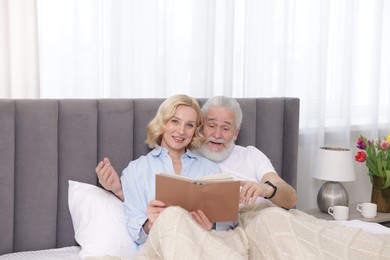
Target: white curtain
pixel 18 49
pixel 334 55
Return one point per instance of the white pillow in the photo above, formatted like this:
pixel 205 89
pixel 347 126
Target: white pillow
pixel 99 222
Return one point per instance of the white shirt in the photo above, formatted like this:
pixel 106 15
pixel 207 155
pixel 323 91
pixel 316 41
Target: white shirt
pixel 247 163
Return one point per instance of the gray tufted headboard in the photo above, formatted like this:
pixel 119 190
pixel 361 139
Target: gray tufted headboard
pixel 44 143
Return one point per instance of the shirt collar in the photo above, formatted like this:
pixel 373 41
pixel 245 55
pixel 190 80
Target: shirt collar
pixel 162 150
pixel 158 151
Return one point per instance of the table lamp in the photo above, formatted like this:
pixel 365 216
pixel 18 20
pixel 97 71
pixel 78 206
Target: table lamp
pixel 334 165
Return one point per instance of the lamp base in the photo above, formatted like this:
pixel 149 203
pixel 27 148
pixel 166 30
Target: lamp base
pixel 332 194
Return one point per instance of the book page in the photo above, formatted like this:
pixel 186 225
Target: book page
pixel 207 178
pixel 216 177
pixel 175 176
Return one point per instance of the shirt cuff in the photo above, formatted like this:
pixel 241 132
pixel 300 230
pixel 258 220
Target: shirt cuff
pixel 142 236
pixel 227 225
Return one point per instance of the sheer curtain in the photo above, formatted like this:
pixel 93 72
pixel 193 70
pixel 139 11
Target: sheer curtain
pixel 333 55
pixel 18 49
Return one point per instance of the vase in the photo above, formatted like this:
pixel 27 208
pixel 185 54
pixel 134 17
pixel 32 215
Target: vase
pixel 379 195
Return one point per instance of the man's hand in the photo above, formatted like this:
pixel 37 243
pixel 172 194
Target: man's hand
pixel 285 195
pixel 108 178
pixel 155 207
pixel 202 219
pixel 250 191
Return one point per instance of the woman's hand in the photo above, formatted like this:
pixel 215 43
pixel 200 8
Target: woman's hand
pixel 202 219
pixel 155 207
pixel 108 178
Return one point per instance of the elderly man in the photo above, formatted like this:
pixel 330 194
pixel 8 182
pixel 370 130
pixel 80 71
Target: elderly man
pixel 222 121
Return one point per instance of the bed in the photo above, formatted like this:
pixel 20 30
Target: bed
pixel 47 142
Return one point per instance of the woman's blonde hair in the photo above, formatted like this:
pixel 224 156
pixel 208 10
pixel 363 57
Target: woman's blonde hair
pixel 156 128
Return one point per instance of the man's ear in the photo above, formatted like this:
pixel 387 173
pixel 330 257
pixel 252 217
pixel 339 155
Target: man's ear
pixel 235 136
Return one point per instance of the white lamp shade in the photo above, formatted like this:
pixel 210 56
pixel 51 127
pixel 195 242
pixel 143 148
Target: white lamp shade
pixel 334 164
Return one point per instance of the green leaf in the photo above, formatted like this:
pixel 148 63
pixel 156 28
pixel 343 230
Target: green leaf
pixel 379 165
pixel 387 183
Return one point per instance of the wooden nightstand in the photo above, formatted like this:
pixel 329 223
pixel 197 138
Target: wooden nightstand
pixel 382 218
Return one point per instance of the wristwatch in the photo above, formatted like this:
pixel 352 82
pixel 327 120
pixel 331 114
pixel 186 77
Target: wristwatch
pixel 275 189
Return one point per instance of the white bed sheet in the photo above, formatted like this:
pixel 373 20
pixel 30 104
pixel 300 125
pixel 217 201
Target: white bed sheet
pixel 64 253
pixel 368 226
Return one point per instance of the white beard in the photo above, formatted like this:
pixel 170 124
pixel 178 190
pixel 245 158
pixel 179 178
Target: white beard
pixel 217 156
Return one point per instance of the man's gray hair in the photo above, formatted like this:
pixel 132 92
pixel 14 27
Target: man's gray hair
pixel 226 102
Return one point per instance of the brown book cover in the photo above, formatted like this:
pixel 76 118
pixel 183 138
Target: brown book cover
pixel 217 196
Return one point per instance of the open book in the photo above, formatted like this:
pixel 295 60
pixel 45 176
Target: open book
pixel 217 195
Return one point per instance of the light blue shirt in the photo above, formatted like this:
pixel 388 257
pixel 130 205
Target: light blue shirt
pixel 138 182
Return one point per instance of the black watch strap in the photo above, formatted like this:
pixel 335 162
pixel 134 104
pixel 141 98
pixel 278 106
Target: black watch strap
pixel 275 189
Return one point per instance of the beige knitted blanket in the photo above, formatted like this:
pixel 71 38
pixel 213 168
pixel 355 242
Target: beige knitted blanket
pixel 264 232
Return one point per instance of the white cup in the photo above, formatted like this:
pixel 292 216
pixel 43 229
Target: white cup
pixel 339 212
pixel 367 209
